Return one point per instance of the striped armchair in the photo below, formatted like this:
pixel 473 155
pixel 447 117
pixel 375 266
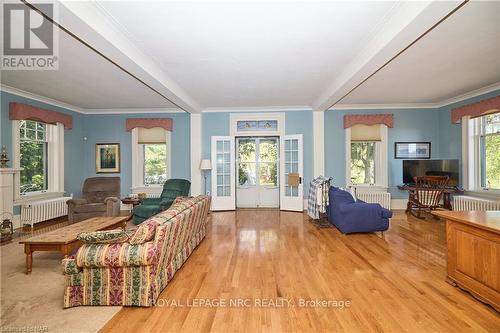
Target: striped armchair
pixel 134 272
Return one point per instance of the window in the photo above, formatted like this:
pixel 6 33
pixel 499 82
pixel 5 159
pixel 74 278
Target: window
pixel 366 155
pixel 150 159
pixel 363 162
pixel 155 163
pixel 489 144
pixel 33 156
pixel 38 149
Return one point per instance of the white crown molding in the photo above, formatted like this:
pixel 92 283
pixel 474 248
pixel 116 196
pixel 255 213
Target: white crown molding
pixel 470 94
pixel 133 110
pixel 258 109
pixel 39 98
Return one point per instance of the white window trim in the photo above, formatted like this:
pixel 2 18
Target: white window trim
pixel 55 170
pixel 381 162
pixel 471 159
pixel 138 164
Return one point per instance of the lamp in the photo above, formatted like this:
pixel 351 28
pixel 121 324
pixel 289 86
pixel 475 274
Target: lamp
pixel 205 165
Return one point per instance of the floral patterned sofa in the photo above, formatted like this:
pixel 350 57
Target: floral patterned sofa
pixel 135 271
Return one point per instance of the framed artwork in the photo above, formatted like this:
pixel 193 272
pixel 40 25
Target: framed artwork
pixel 107 158
pixel 412 150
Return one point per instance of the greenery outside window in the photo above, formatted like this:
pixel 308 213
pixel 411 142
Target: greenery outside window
pixel 33 156
pixel 489 144
pixel 363 162
pixel 155 163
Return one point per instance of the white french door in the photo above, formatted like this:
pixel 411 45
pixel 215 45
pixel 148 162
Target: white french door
pixel 291 158
pixel 223 173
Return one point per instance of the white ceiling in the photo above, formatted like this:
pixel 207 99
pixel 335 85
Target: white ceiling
pixel 244 55
pixel 461 55
pixel 85 80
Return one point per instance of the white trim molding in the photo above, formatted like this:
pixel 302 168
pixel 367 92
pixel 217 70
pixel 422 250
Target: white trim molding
pixel 319 143
pixel 195 144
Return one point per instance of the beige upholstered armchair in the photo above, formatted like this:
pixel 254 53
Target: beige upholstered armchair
pixel 100 197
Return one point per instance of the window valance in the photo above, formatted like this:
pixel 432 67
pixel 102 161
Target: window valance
pixel 20 111
pixel 165 123
pixel 481 108
pixel 368 119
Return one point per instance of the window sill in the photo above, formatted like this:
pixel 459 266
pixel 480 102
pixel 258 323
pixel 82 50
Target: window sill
pixel 490 194
pixel 37 197
pixel 370 188
pixel 147 189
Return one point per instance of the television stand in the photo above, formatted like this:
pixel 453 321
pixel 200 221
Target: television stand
pixel 447 193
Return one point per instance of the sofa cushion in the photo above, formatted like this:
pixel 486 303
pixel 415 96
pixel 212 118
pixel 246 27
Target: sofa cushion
pixel 144 233
pixel 104 236
pixel 90 208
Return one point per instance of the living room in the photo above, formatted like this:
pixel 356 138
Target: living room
pixel 282 166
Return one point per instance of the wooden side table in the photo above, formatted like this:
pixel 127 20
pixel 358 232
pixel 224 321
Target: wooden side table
pixel 131 201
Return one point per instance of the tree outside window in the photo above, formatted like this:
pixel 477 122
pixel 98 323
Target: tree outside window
pixel 155 163
pixel 490 151
pixel 33 159
pixel 363 162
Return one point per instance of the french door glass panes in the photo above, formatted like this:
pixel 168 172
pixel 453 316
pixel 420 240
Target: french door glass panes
pixel 291 165
pixel 223 168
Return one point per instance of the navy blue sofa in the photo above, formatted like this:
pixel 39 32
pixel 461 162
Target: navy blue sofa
pixel 356 216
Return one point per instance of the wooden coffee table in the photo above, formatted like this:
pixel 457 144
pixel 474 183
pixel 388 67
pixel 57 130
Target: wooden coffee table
pixel 64 239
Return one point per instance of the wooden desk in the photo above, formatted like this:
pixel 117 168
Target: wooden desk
pixel 64 239
pixel 446 193
pixel 473 242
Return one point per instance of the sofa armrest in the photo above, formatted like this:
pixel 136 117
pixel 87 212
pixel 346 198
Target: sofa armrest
pixel 76 202
pixel 117 255
pixel 70 267
pixel 112 206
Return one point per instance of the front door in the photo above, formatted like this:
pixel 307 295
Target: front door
pixel 257 172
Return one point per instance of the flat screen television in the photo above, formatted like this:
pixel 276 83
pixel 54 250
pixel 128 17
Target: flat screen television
pixel 414 168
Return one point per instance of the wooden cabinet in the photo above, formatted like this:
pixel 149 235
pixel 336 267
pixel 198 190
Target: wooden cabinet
pixel 473 243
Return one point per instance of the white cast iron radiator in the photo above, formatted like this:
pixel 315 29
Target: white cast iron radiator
pixel 382 198
pixel 39 211
pixel 473 203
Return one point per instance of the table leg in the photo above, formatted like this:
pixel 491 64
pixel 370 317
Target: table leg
pixel 66 250
pixel 29 258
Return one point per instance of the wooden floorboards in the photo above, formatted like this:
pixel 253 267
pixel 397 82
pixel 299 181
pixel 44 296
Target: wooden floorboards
pixel 395 283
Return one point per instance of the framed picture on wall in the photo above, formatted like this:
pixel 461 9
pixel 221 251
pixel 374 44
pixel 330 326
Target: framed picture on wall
pixel 107 158
pixel 412 150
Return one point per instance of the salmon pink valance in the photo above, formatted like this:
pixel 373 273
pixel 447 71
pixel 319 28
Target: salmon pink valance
pixel 165 123
pixel 368 119
pixel 19 111
pixel 490 105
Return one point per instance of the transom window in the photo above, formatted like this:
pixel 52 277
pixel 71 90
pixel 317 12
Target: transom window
pixel 33 156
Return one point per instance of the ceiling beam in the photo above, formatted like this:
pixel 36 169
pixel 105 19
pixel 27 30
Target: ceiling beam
pixel 406 23
pixel 89 23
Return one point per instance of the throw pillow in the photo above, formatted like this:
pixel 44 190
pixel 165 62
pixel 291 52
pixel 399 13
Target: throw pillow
pixel 104 236
pixel 144 233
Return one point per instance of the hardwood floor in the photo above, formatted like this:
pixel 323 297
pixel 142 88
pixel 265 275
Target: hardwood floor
pixel 395 283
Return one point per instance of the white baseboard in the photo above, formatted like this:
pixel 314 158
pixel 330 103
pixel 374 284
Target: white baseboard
pixel 399 203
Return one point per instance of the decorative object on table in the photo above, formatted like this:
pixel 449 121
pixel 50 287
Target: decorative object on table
pixel 172 189
pixel 100 197
pixel 412 150
pixel 141 195
pixel 7 226
pixel 4 158
pixel 107 158
pixel 426 194
pixel 205 166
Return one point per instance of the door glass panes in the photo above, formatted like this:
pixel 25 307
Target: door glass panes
pixel 247 175
pixel 268 158
pixel 291 165
pixel 223 168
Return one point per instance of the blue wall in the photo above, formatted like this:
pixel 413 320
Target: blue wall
pixel 409 125
pixel 110 128
pixel 296 122
pixel 73 143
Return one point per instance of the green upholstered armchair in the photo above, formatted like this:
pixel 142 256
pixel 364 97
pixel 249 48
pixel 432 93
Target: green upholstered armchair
pixel 172 189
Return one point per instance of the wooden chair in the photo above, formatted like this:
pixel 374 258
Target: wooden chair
pixel 426 195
